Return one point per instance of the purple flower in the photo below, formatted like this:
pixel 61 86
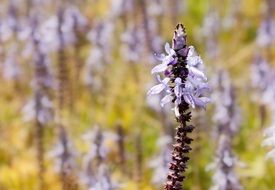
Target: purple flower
pixel 266 33
pixel 159 87
pixel 168 59
pixel 227 119
pixel 184 84
pixel 195 86
pixel 161 161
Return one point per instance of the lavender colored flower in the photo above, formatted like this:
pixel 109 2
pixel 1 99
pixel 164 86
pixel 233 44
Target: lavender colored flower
pixel 210 31
pixel 40 107
pixel 269 133
pixel 156 8
pixel 11 69
pixel 72 21
pixel 95 172
pixel 226 113
pixel 224 177
pixel 260 73
pixel 227 119
pixel 5 31
pixel 100 54
pixel 13 19
pixel 98 143
pixel 269 140
pixel 161 162
pixel 76 21
pixel 266 33
pixel 45 113
pixel 131 47
pixel 195 84
pixel 101 36
pixel 92 68
pixel 185 85
pixel 64 154
pixel 104 181
pixel 230 20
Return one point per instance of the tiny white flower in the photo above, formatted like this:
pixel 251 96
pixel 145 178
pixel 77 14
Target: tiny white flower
pixel 166 60
pixel 159 87
pixel 166 99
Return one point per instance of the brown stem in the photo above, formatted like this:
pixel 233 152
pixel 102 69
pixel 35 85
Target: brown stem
pixel 181 148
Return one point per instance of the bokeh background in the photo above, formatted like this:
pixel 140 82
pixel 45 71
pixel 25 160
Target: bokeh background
pixel 74 113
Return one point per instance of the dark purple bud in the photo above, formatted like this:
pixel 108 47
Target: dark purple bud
pixel 179 39
pixel 183 52
pixel 173 62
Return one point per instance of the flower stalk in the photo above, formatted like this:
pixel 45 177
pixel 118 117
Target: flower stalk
pixel 185 85
pixel 41 104
pixel 227 118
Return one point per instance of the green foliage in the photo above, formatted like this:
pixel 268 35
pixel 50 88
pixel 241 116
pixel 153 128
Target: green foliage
pixel 123 101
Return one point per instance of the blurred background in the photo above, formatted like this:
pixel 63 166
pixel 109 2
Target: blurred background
pixel 74 77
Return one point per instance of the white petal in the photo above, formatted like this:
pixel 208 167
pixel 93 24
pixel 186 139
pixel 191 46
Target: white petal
pixel 194 61
pixel 201 102
pixel 201 88
pixel 193 81
pixel 167 48
pixel 165 81
pixel 270 131
pixel 177 113
pixel 191 51
pixel 158 78
pixel 156 89
pixel 168 59
pixel 168 98
pixel 159 68
pixel 228 160
pixel 196 72
pixel 271 154
pixel 159 57
pixel 177 90
pixel 178 80
pixel 178 100
pixel 172 52
pixel 269 142
pixel 189 86
pixel 189 99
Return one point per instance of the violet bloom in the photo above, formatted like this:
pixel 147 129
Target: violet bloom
pixel 195 85
pixel 269 140
pixel 64 154
pixel 161 162
pixel 266 33
pixel 227 119
pixel 100 53
pixel 131 48
pixel 96 174
pixel 72 21
pixel 101 37
pixel 11 69
pixel 210 31
pixel 104 180
pixel 41 106
pixel 185 85
pixel 269 133
pixel 227 113
pixel 260 73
